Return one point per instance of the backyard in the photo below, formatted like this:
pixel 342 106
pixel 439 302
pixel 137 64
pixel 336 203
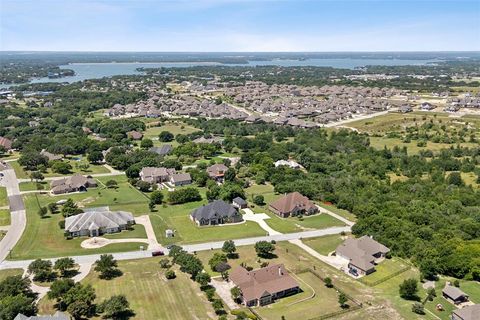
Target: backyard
pixel 150 295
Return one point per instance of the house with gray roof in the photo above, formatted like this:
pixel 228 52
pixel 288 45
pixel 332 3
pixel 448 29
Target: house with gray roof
pixel 74 183
pixel 180 179
pixel 162 150
pixel 216 212
pixel 96 222
pixel 454 294
pixel 362 254
pixel 57 316
pixel 467 313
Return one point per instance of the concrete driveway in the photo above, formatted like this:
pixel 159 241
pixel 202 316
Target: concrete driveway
pixel 260 219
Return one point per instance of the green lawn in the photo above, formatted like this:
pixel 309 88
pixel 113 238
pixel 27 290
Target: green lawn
pixel 3 197
pixel 326 244
pixel 43 237
pixel 177 217
pixel 343 213
pixel 150 295
pixel 20 173
pixel 324 301
pixel 136 231
pixel 175 128
pixel 4 217
pixel 30 186
pixel 385 269
pixel 10 272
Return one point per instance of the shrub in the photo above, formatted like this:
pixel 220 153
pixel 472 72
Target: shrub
pixel 170 274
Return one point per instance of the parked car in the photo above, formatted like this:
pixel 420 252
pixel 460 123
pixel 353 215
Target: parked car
pixel 157 253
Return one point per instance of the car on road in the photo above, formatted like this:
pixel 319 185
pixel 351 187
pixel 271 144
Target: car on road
pixel 157 253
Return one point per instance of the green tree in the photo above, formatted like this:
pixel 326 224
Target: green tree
pixel 170 274
pixel 236 293
pixel 111 184
pixel 146 143
pixel 328 282
pixel 58 289
pixel 165 136
pixel 408 289
pixel 156 197
pixel 418 308
pixel 70 208
pixel 116 307
pixel 229 248
pixel 42 212
pixel 52 207
pixel 12 305
pixel 95 157
pixel 37 176
pixel 41 270
pixel 455 178
pixel 64 266
pixel 264 249
pixel 259 200
pixel 203 279
pixel 61 167
pixel 143 186
pixel 106 266
pixel 217 259
pixel 342 299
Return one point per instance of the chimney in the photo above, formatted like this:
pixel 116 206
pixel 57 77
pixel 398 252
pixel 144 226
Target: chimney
pixel 280 271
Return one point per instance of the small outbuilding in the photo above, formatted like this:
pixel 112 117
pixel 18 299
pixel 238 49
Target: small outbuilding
pixel 454 294
pixel 239 203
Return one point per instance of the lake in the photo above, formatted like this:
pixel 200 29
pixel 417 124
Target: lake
pixel 84 71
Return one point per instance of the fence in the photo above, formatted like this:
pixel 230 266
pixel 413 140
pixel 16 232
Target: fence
pixel 390 276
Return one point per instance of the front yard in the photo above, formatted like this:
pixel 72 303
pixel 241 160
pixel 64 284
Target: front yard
pixel 4 217
pixel 3 197
pixel 150 295
pixel 177 217
pixel 326 244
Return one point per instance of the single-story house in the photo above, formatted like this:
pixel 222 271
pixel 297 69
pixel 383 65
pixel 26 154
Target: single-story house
pixel 57 316
pixel 94 223
pixel 6 143
pixel 292 204
pixel 216 212
pixel 405 108
pixel 156 175
pixel 180 179
pixel 239 203
pixel 51 156
pixel 362 254
pixel 454 294
pixel 427 106
pixel 262 286
pixel 288 163
pixel 135 135
pixel 467 313
pixel 162 150
pixel 74 183
pixel 217 171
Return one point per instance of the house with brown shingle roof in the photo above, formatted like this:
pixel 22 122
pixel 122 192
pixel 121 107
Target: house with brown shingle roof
pixel 217 171
pixel 135 135
pixel 156 175
pixel 362 254
pixel 292 204
pixel 74 183
pixel 6 143
pixel 262 286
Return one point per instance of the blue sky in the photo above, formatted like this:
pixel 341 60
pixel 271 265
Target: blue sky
pixel 239 25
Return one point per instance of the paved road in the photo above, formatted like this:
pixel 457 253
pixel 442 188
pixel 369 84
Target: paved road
pixel 190 248
pixel 17 213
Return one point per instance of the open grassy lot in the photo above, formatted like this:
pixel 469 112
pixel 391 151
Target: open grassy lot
pixel 326 244
pixel 343 213
pixel 412 148
pixel 4 217
pixel 175 128
pixel 3 197
pixel 44 238
pixel 266 190
pixel 150 295
pixel 10 272
pixel 31 185
pixel 177 217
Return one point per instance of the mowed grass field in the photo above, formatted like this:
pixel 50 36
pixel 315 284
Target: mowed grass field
pixel 150 295
pixel 4 217
pixel 3 197
pixel 177 218
pixel 43 238
pixel 172 127
pixel 10 272
pixel 325 245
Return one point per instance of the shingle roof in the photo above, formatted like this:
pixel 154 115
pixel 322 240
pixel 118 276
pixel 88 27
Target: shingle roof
pixel 181 177
pixel 217 208
pixel 290 201
pixel 469 312
pixel 7 143
pixel 240 201
pixel 94 220
pixel 162 150
pixel 254 284
pixel 57 316
pixel 360 251
pixel 453 292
